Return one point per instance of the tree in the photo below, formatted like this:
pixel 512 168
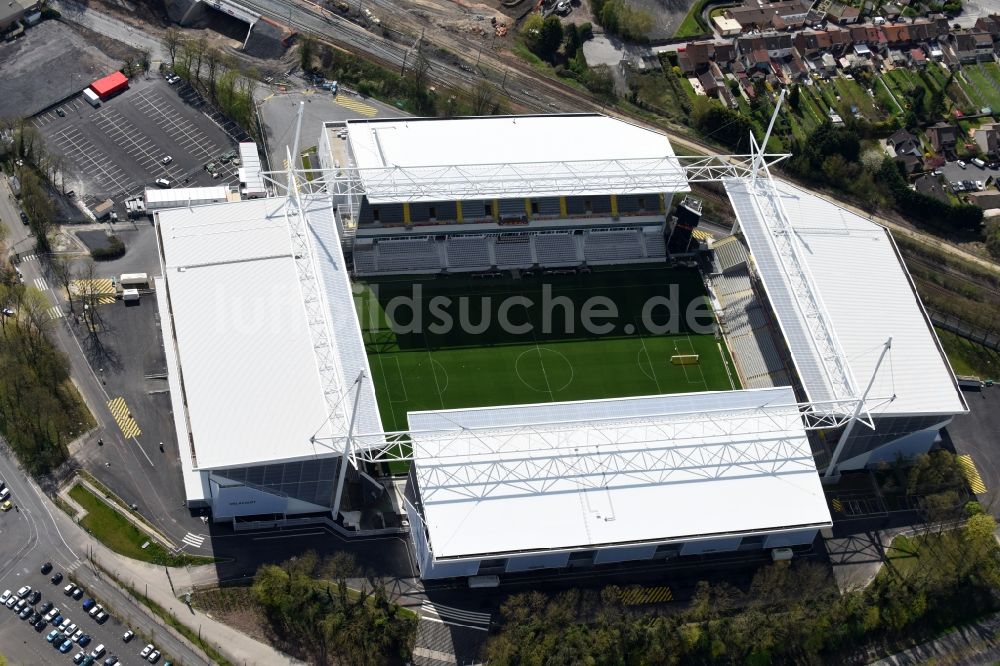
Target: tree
pixel 172 40
pixel 212 59
pixel 795 98
pixel 485 101
pixel 307 49
pixel 39 208
pixel 551 37
pixel 61 268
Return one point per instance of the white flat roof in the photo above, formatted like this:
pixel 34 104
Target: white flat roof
pixel 182 195
pixel 614 471
pixel 509 156
pixel 249 374
pixel 867 296
pixel 250 169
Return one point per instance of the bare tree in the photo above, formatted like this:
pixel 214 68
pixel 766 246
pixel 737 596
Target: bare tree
pixel 61 268
pixel 172 40
pixel 484 99
pixel 199 46
pixel 212 60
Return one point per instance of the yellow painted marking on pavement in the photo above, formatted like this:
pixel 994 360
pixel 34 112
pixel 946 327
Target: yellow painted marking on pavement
pixel 637 596
pixel 123 417
pixel 838 506
pixel 702 235
pixel 971 474
pixel 355 105
pixel 102 289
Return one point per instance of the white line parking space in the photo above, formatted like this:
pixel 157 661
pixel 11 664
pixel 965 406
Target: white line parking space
pixel 92 161
pixel 181 130
pixel 134 143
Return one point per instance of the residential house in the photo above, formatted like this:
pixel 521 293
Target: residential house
pixel 765 15
pixel 917 57
pixel 843 13
pixel 941 26
pixel 931 186
pixel 971 46
pixel 696 56
pixel 943 137
pixel 894 34
pixel 775 44
pixel 987 137
pixel 985 200
pixel 727 27
pixel 990 24
pixel 921 30
pixel 933 51
pixel 904 143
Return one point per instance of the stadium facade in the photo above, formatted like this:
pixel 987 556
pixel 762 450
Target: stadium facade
pixel 271 388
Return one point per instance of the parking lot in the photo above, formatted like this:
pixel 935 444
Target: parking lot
pixel 952 173
pixel 71 625
pixel 151 131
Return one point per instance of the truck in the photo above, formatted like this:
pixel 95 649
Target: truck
pixel 132 281
pixel 969 382
pixel 130 295
pixel 91 97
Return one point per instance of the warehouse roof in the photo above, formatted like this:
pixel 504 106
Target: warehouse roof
pixel 856 272
pixel 182 196
pixel 589 473
pixel 242 339
pixel 430 159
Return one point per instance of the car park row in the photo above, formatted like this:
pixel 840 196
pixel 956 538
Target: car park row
pixel 65 634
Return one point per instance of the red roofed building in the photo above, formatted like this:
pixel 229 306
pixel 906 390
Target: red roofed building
pixel 111 84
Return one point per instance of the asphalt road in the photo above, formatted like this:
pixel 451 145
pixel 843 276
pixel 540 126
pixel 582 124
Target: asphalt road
pixel 38 532
pixel 975 433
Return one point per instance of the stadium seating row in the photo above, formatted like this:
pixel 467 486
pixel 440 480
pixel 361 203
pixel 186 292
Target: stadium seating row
pixel 745 321
pixel 479 252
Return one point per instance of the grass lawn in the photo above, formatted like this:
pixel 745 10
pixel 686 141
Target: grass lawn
pixel 985 84
pixel 546 359
pixel 691 25
pixel 968 358
pixel 852 93
pixel 117 533
pixel 887 98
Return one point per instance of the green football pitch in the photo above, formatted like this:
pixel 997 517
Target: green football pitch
pixel 454 341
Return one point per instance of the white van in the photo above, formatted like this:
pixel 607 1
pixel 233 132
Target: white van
pixel 978 162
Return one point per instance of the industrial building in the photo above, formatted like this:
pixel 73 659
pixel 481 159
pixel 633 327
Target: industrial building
pixel 277 414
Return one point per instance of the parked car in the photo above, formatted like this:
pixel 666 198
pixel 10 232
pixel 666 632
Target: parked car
pixel 153 657
pixel 11 601
pixel 51 636
pixel 97 652
pixel 162 182
pixel 40 625
pixel 51 614
pixel 60 112
pixel 111 661
pixel 961 164
pixel 84 641
pixel 128 635
pixel 46 607
pixel 26 612
pixel 79 656
pixel 70 630
pixel 167 159
pixel 101 617
pixel 46 568
pixel 68 590
pixel 146 650
pixel 76 636
pixel 23 592
pixel 56 578
pixel 77 593
pixel 66 645
pixel 88 604
pixel 95 610
pixel 24 218
pixel 5 596
pixel 34 597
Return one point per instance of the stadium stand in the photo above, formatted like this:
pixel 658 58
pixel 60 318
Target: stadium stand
pixel 612 246
pixel 556 249
pixel 513 250
pixel 749 330
pixel 364 259
pixel 468 252
pixel 656 245
pixel 407 255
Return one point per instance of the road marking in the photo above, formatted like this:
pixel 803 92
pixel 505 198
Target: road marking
pixel 355 105
pixel 101 289
pixel 40 284
pixel 838 506
pixel 194 540
pixel 123 417
pixel 971 474
pixel 457 614
pixel 639 596
pixel 55 312
pixel 29 257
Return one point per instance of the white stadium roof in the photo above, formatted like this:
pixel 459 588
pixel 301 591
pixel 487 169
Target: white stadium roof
pixel 249 377
pixel 430 159
pixel 615 471
pixel 865 293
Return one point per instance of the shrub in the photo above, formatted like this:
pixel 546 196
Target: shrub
pixel 114 250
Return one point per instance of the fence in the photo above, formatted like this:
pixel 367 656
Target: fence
pixel 989 338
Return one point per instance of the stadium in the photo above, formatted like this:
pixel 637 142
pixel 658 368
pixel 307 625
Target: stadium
pixel 507 336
